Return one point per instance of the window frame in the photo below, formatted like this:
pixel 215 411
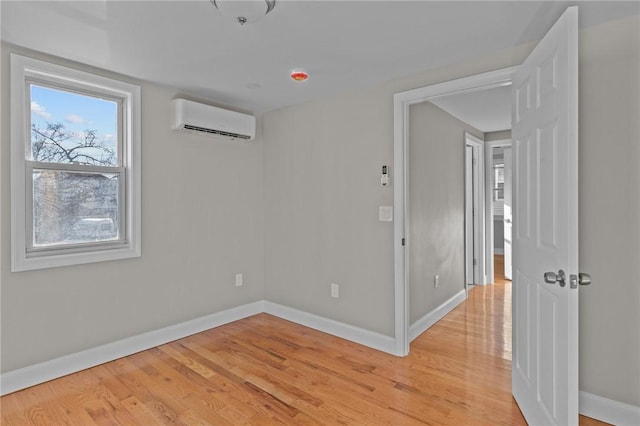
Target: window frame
pixel 25 72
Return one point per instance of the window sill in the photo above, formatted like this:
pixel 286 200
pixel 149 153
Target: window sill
pixel 28 263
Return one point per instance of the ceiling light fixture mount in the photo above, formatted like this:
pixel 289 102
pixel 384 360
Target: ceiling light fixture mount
pixel 244 11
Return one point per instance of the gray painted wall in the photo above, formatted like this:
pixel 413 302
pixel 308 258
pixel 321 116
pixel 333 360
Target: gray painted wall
pixel 610 210
pixel 201 224
pixel 498 233
pixel 436 206
pixel 322 165
pixel 497 136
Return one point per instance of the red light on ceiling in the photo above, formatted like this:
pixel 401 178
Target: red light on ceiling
pixel 299 75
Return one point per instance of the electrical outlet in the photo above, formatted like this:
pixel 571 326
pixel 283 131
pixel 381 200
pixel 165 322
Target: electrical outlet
pixel 436 280
pixel 335 290
pixel 239 280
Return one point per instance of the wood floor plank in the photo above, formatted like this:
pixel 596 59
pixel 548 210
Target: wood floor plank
pixel 263 370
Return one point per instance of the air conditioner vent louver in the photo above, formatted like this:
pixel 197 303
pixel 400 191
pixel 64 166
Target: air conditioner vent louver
pixel 209 120
pixel 215 132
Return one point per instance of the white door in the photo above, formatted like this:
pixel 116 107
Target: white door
pixel 508 219
pixel 545 228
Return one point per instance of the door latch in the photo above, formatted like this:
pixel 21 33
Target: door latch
pixel 581 279
pixel 552 278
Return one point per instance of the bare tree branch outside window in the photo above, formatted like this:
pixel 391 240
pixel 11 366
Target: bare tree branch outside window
pixel 55 144
pixel 70 206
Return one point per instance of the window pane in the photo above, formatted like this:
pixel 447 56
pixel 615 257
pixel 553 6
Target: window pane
pixel 70 128
pixel 73 207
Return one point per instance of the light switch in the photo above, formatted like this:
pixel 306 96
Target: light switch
pixel 385 213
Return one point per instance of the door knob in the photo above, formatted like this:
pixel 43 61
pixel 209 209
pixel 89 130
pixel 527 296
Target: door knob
pixel 552 278
pixel 584 279
pixel 581 279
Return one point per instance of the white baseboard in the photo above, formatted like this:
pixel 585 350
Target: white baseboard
pixel 435 315
pixel 346 331
pixel 608 410
pixel 34 374
pixel 48 370
pixel 591 405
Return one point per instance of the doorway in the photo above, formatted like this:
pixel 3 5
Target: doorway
pixel 498 198
pixel 545 128
pixel 402 102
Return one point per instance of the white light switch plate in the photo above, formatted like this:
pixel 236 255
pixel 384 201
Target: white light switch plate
pixel 385 213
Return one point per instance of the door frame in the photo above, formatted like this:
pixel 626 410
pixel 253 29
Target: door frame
pixel 488 164
pixel 478 231
pixel 401 103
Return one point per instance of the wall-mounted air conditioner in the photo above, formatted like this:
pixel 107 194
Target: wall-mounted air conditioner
pixel 206 119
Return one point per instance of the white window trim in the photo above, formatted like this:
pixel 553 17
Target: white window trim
pixel 23 68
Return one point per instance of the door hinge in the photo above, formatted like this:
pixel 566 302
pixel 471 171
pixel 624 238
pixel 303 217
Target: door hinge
pixel 475 262
pixel 403 241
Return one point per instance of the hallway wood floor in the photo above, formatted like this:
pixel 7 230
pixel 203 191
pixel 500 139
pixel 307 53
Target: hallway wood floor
pixel 264 370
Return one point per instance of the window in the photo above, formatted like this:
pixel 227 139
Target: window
pixel 75 179
pixel 498 182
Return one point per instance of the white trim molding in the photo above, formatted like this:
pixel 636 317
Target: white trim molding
pixel 335 328
pixel 593 406
pixel 608 410
pixel 424 323
pixel 48 370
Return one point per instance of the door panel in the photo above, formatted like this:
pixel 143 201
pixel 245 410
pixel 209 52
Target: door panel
pixel 545 206
pixel 547 145
pixel 548 306
pixel 522 341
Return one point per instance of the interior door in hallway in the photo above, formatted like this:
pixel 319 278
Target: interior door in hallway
pixel 545 228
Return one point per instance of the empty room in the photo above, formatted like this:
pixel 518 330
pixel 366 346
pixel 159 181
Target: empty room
pixel 319 212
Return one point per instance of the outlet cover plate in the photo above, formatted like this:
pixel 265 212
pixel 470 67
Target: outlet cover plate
pixel 335 290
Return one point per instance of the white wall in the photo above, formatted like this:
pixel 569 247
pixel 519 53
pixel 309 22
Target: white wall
pixel 201 224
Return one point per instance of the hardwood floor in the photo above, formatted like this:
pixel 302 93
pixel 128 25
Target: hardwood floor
pixel 264 370
pixel 498 268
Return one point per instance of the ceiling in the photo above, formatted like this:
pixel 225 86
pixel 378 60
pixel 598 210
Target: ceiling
pixel 488 110
pixel 341 44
